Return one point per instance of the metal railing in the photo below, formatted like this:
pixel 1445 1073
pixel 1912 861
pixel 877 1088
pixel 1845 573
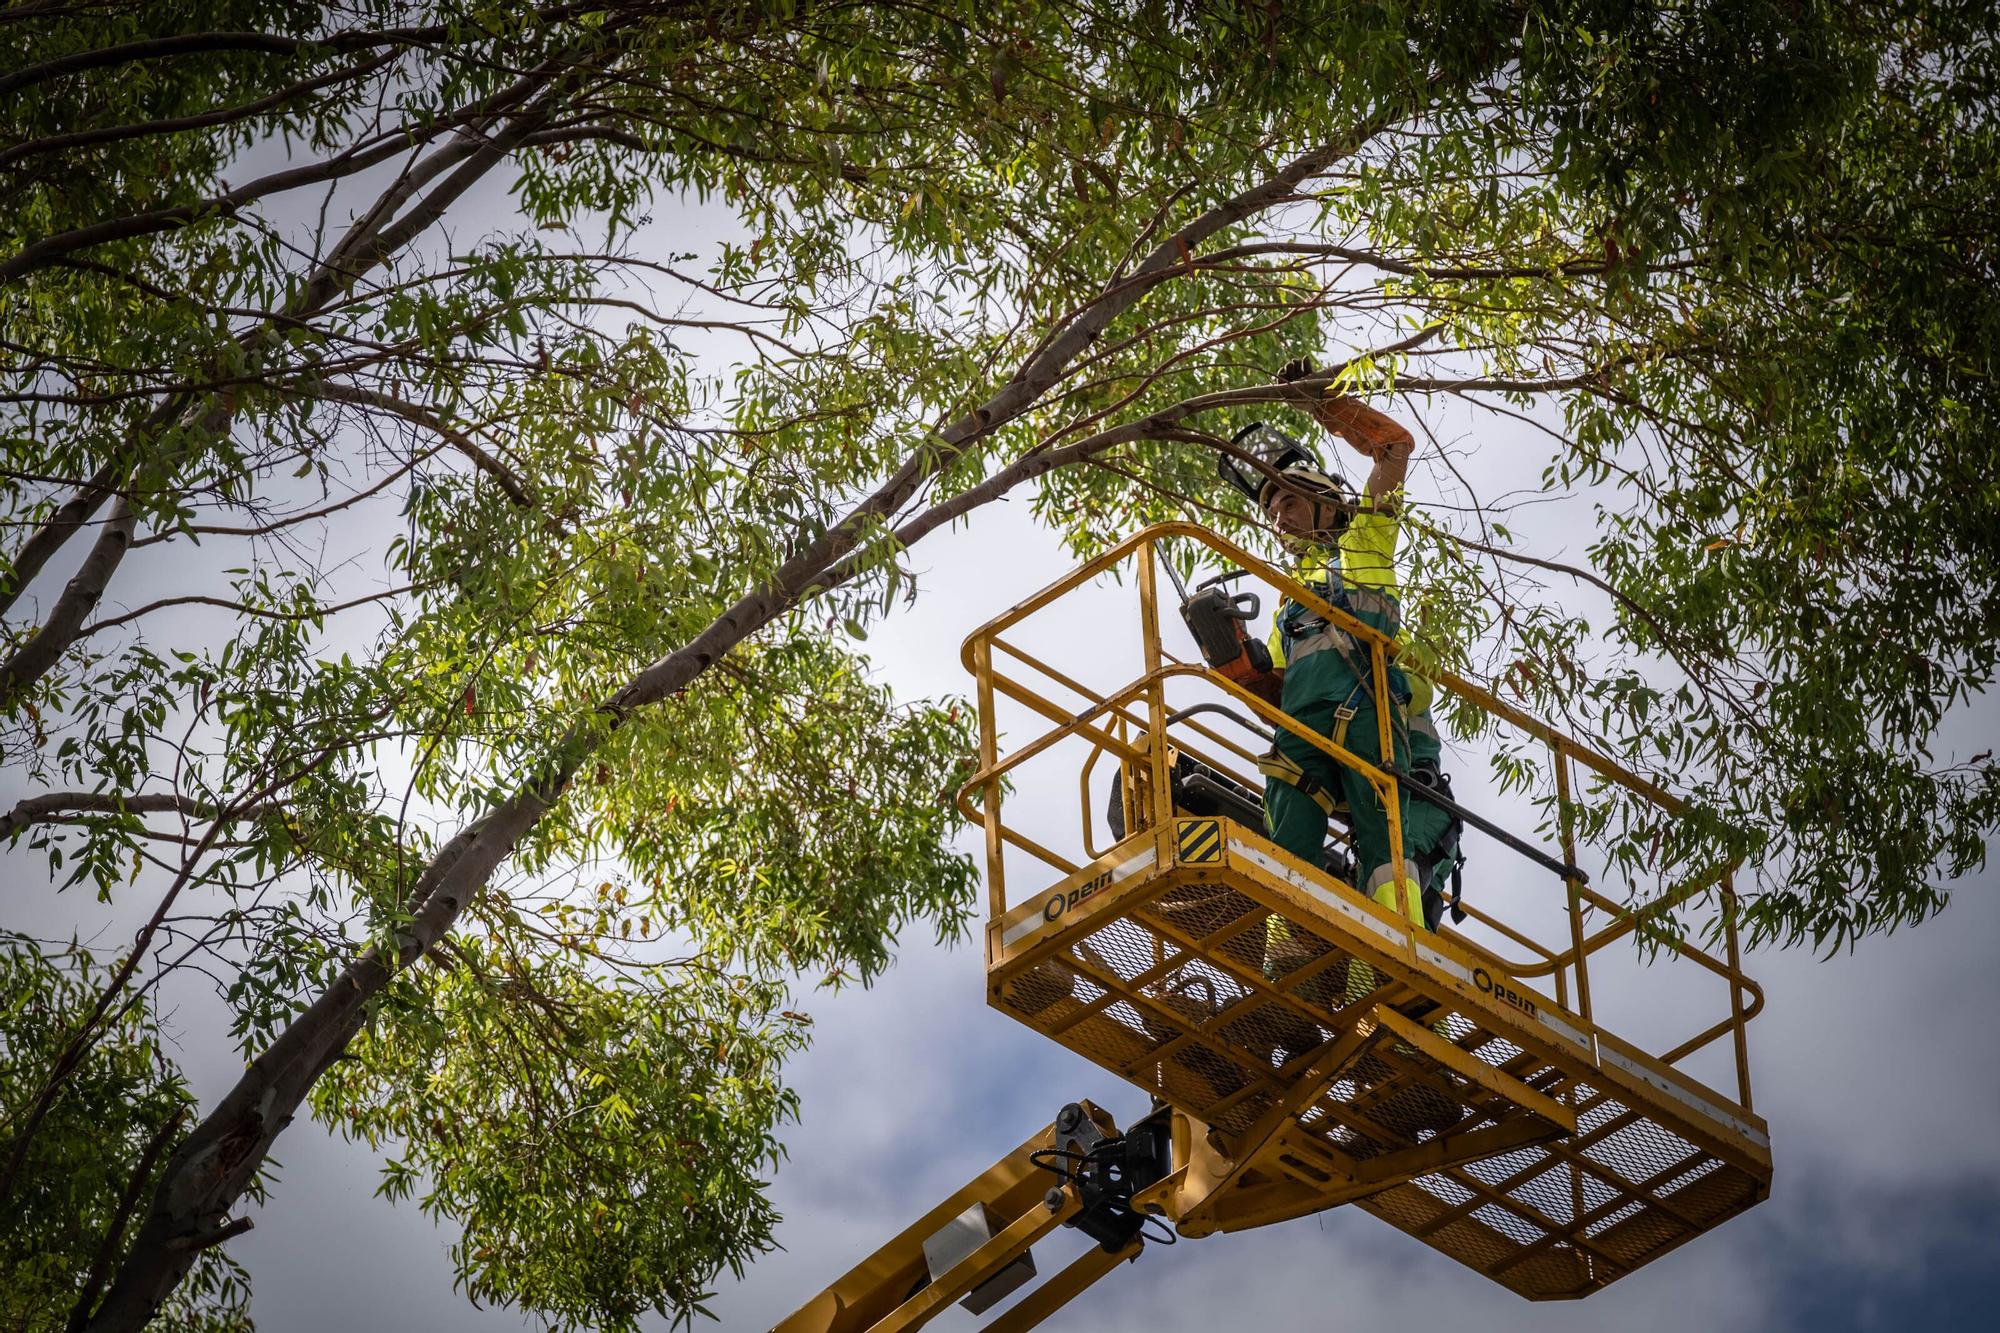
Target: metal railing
pixel 1134 724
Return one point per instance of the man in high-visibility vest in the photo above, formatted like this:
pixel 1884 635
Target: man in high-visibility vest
pixel 1346 548
pixel 1346 551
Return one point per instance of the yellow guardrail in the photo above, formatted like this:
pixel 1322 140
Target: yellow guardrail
pixel 1133 723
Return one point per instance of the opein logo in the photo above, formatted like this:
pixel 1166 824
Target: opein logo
pixel 1483 979
pixel 1059 903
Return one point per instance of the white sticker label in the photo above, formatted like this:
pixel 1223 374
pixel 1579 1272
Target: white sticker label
pixel 1445 963
pixel 1060 901
pixel 1685 1096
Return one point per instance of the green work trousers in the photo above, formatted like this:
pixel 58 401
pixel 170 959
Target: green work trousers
pixel 1314 690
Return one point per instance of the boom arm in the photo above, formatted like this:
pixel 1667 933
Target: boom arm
pixel 975 1245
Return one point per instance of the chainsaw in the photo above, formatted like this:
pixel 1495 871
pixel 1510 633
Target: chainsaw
pixel 1218 618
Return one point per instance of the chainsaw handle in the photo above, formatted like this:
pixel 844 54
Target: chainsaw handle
pixel 1237 609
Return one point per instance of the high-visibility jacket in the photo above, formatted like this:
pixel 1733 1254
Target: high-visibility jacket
pixel 1359 577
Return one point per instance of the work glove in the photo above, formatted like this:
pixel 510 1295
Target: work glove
pixel 1295 369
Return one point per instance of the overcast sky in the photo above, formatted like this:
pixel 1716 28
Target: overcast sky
pixel 1877 1072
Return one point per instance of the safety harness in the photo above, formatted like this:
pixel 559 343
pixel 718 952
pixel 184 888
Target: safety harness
pixel 1275 763
pixel 1305 634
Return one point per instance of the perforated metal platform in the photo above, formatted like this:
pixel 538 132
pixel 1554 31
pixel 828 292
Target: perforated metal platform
pixel 1352 1059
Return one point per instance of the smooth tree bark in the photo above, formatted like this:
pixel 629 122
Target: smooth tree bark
pixel 207 1175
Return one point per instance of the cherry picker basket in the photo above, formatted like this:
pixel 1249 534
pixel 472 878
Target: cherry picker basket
pixel 1317 1048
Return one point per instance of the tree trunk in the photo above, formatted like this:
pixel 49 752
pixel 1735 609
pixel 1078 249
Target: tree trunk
pixel 207 1176
pixel 208 1173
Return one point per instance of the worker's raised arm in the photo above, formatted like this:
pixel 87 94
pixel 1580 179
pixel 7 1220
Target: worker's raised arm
pixel 1375 436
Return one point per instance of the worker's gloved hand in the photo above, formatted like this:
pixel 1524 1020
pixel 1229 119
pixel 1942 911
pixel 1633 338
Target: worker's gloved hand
pixel 1295 369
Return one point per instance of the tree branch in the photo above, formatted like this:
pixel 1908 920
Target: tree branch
pixel 42 253
pixel 57 143
pixel 54 533
pixel 264 613
pixel 416 413
pixel 80 1041
pixel 60 806
pixel 364 248
pixel 1045 365
pixel 152 48
pixel 32 660
pixel 1577 267
pixel 100 1266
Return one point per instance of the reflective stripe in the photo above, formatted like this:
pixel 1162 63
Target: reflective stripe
pixel 1325 897
pixel 1338 639
pixel 1370 603
pixel 1373 609
pixel 1401 896
pixel 1421 725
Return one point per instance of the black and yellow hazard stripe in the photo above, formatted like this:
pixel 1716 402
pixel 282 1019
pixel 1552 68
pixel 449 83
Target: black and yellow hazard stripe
pixel 1198 842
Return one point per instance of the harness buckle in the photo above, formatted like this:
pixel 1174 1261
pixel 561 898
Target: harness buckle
pixel 1343 714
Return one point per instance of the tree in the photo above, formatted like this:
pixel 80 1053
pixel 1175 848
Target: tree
pixel 541 824
pixel 97 1154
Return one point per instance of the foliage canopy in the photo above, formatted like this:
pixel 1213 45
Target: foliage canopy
pixel 518 553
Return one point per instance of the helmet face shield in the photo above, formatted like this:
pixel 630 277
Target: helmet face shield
pixel 1269 445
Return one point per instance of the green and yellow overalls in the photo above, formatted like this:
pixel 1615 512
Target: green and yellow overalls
pixel 1329 687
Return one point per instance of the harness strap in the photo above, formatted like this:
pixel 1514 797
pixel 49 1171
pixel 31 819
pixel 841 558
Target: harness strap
pixel 1335 640
pixel 1343 717
pixel 1344 713
pixel 1275 764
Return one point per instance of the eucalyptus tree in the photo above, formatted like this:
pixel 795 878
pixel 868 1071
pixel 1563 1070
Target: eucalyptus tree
pixel 509 842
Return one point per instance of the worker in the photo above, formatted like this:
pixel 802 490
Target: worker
pixel 1346 548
